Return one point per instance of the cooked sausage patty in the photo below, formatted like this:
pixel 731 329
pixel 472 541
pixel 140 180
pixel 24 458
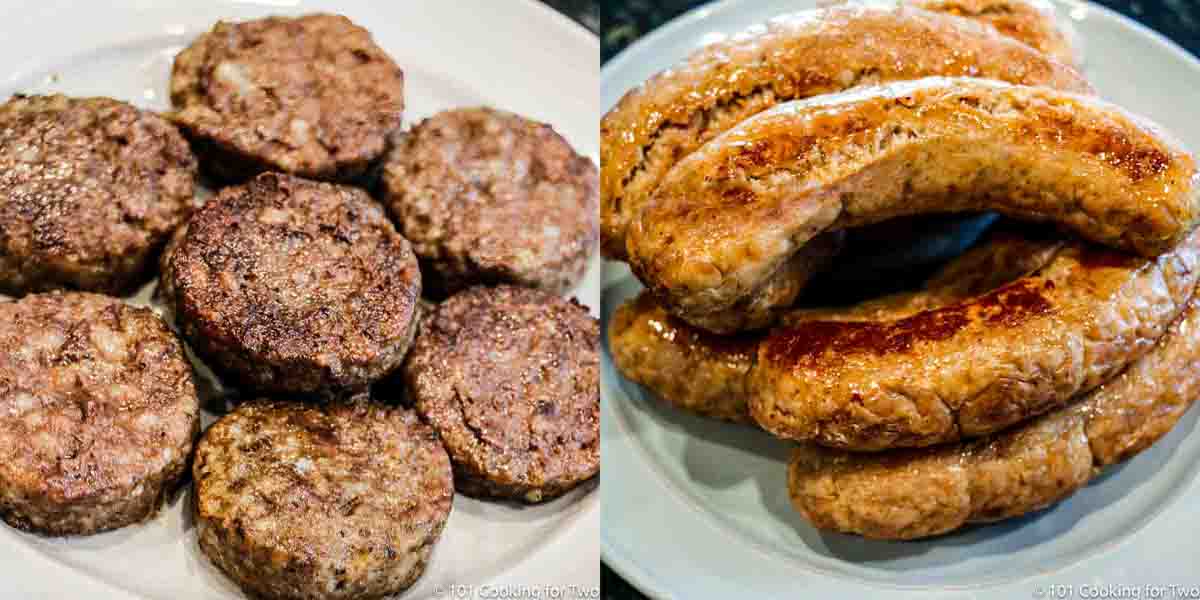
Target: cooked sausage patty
pixel 98 412
pixel 919 493
pixel 490 197
pixel 298 502
pixel 290 285
pixel 311 95
pixel 90 188
pixel 706 374
pixel 509 377
pixel 727 216
pixel 797 56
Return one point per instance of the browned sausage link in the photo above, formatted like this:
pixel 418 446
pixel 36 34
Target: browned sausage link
pixel 778 292
pixel 909 494
pixel 974 367
pixel 725 217
pixel 706 374
pixel 1030 21
pixel 684 366
pixel 798 56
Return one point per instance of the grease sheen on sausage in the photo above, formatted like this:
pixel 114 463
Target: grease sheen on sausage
pixel 725 218
pixel 798 56
pixel 918 493
pixel 707 374
pixel 973 367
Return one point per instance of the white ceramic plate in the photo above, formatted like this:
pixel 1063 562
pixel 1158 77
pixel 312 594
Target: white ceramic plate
pixel 695 509
pixel 518 55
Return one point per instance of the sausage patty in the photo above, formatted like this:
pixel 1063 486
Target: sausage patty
pixel 509 377
pixel 490 197
pixel 724 219
pixel 290 285
pixel 297 502
pixel 90 188
pixel 918 493
pixel 98 412
pixel 310 95
pixel 797 56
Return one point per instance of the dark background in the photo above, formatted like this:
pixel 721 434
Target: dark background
pixel 586 12
pixel 623 21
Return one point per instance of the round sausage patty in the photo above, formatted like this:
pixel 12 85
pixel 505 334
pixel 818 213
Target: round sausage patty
pixel 510 379
pixel 491 197
pixel 311 95
pixel 90 188
pixel 296 501
pixel 290 285
pixel 98 412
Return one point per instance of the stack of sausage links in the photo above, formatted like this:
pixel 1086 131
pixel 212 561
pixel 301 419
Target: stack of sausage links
pixel 1014 373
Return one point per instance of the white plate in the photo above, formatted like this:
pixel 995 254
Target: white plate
pixel 695 509
pixel 517 55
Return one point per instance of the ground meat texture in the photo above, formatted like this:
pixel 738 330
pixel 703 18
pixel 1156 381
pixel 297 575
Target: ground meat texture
pixel 289 285
pixel 311 95
pixel 490 197
pixel 296 502
pixel 98 413
pixel 90 188
pixel 509 377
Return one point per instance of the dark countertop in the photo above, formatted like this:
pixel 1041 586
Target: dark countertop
pixel 626 20
pixel 585 12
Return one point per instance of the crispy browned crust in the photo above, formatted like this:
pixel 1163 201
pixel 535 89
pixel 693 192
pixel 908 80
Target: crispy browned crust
pixel 90 188
pixel 488 197
pixel 98 413
pixel 510 379
pixel 298 502
pixel 797 56
pixel 1031 22
pixel 310 95
pixel 706 374
pixel 728 215
pixel 290 285
pixel 973 367
pixel 908 494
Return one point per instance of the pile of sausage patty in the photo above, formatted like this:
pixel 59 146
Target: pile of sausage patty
pixel 301 291
pixel 1063 342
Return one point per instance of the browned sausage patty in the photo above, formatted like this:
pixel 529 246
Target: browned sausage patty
pixel 490 197
pixel 310 95
pixel 303 502
pixel 290 285
pixel 90 188
pixel 509 377
pixel 98 412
